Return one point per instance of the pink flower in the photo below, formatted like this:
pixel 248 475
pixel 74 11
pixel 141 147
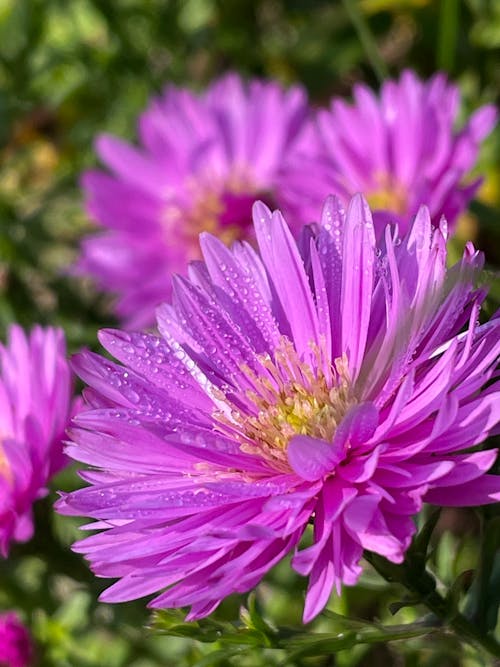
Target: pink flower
pixel 201 163
pixel 338 388
pixel 35 406
pixel 401 150
pixel 16 649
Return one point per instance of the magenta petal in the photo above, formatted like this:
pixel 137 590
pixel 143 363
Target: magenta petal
pixel 468 467
pixel 481 491
pixel 35 409
pixel 129 163
pixel 320 586
pixel 363 467
pixel 358 425
pixel 16 644
pixel 311 458
pixel 357 280
pixel 279 250
pixel 483 121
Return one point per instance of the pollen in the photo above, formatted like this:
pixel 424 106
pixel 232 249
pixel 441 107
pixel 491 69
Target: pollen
pixel 291 397
pixel 5 470
pixel 208 211
pixel 387 195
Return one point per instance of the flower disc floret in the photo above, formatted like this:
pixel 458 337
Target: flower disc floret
pixel 288 397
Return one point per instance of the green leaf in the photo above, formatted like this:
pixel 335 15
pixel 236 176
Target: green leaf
pixel 484 596
pixel 417 554
pixel 253 620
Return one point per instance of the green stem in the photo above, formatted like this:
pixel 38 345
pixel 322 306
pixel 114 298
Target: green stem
pixel 321 644
pixel 424 587
pixel 448 34
pixel 366 38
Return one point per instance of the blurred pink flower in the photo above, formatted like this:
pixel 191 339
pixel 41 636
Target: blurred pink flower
pixel 16 648
pixel 400 150
pixel 342 388
pixel 35 407
pixel 201 163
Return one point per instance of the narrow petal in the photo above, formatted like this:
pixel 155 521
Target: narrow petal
pixel 279 250
pixel 357 281
pixel 311 458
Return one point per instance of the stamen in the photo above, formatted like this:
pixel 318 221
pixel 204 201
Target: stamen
pixel 5 470
pixel 387 195
pixel 207 211
pixel 289 398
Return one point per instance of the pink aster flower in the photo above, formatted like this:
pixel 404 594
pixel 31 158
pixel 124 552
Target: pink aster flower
pixel 201 162
pixel 342 388
pixel 16 649
pixel 401 150
pixel 35 405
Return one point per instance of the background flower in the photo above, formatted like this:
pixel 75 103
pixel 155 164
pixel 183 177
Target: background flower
pixel 401 150
pixel 16 649
pixel 35 407
pixel 333 389
pixel 202 162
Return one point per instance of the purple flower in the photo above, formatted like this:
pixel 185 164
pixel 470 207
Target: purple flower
pixel 16 649
pixel 201 163
pixel 332 388
pixel 35 407
pixel 401 150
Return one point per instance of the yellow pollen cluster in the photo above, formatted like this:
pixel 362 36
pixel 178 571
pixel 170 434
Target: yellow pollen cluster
pixel 387 195
pixel 5 471
pixel 290 398
pixel 205 213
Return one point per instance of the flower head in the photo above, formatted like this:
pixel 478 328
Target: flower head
pixel 35 407
pixel 16 649
pixel 201 163
pixel 401 151
pixel 331 388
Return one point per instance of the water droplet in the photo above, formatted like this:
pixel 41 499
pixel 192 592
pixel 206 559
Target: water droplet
pixel 131 395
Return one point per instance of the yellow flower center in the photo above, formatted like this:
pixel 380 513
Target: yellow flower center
pixel 207 212
pixel 5 470
pixel 387 195
pixel 290 398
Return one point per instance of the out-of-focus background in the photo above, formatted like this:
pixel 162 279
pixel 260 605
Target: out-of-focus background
pixel 72 68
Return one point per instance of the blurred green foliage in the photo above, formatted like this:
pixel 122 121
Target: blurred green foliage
pixel 72 68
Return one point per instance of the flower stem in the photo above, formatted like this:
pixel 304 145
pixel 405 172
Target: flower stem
pixel 448 34
pixel 366 38
pixel 424 586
